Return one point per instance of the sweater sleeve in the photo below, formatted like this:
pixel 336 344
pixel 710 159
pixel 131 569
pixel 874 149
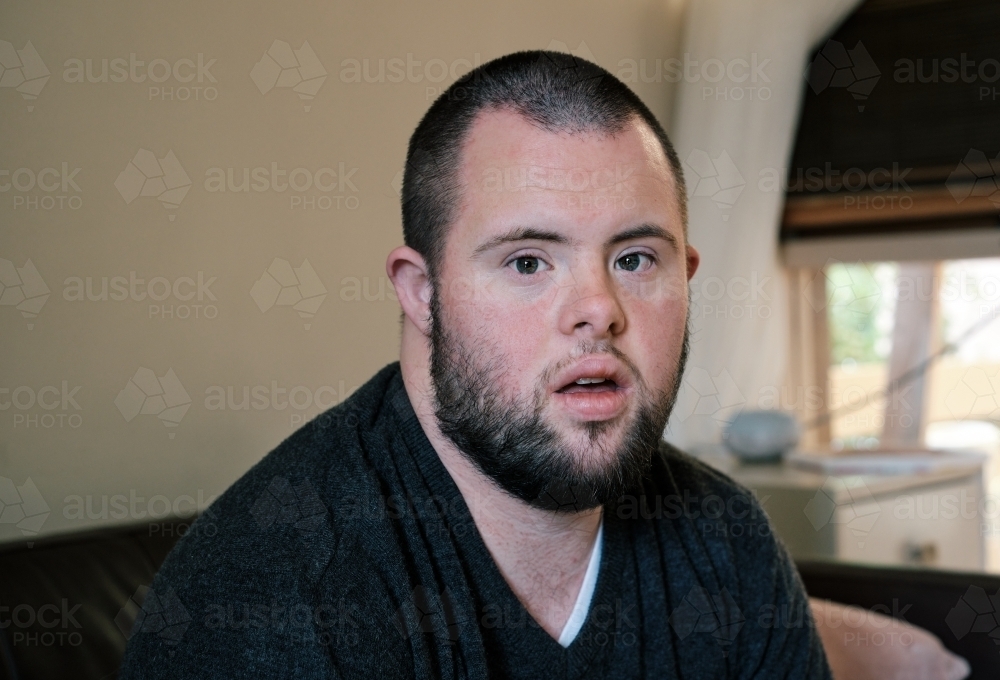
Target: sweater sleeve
pixel 780 636
pixel 230 602
pixel 750 581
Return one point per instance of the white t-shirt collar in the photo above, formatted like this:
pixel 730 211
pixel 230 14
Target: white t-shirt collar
pixel 579 614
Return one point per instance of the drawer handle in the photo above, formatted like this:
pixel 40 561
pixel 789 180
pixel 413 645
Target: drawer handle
pixel 920 553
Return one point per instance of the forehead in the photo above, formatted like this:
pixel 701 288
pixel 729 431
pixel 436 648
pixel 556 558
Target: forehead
pixel 513 171
pixel 504 134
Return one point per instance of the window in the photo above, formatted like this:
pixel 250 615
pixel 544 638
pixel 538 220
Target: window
pixel 944 314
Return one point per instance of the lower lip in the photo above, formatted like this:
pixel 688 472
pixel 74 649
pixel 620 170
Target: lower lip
pixel 593 406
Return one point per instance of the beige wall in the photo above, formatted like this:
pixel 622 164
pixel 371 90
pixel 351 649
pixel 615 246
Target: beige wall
pixel 78 444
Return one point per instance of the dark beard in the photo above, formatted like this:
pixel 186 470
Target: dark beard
pixel 514 447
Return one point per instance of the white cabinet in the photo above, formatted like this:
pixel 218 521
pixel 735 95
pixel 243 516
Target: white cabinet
pixel 941 526
pixel 934 519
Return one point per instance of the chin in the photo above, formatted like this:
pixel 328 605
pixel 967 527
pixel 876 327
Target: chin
pixel 595 443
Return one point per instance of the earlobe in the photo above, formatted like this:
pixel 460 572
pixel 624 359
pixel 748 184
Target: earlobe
pixel 407 270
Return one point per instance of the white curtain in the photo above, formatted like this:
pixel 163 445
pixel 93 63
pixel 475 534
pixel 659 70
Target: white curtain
pixel 735 114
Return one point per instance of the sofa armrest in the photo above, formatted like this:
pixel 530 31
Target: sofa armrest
pixel 961 609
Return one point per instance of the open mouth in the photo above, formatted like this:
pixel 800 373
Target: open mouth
pixel 589 385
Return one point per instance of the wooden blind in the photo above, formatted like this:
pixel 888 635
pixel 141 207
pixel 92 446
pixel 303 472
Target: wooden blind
pixel 900 127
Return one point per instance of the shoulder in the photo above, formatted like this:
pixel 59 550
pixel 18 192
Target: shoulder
pixel 254 523
pixel 271 545
pixel 713 526
pixel 283 505
pixel 702 506
pixel 675 471
pixel 275 525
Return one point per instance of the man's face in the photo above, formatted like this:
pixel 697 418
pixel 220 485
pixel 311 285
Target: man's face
pixel 560 307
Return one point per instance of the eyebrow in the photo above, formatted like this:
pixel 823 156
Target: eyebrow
pixel 643 231
pixel 521 234
pixel 531 234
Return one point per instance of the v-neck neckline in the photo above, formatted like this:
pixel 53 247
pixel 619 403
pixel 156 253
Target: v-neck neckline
pixel 492 592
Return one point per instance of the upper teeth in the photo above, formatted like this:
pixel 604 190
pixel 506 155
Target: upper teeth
pixel 589 381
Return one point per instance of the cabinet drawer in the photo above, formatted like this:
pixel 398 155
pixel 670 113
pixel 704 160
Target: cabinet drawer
pixel 931 527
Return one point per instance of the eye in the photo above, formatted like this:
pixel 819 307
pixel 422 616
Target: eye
pixel 527 265
pixel 634 262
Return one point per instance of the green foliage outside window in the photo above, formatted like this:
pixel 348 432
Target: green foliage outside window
pixel 860 299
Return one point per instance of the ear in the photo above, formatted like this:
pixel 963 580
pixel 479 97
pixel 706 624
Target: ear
pixel 693 260
pixel 408 272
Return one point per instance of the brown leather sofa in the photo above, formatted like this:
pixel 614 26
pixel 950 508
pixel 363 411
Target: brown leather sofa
pixel 67 602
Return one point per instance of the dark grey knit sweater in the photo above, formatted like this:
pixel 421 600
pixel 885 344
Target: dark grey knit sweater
pixel 349 552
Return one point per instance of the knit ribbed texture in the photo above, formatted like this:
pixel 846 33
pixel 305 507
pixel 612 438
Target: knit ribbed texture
pixel 349 552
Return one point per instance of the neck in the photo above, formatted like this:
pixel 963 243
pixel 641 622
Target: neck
pixel 542 555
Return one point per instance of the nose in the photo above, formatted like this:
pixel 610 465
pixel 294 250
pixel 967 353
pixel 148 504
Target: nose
pixel 590 307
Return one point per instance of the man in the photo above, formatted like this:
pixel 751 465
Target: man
pixel 500 503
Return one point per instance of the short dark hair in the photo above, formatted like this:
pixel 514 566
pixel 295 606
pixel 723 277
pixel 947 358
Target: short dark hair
pixel 555 91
